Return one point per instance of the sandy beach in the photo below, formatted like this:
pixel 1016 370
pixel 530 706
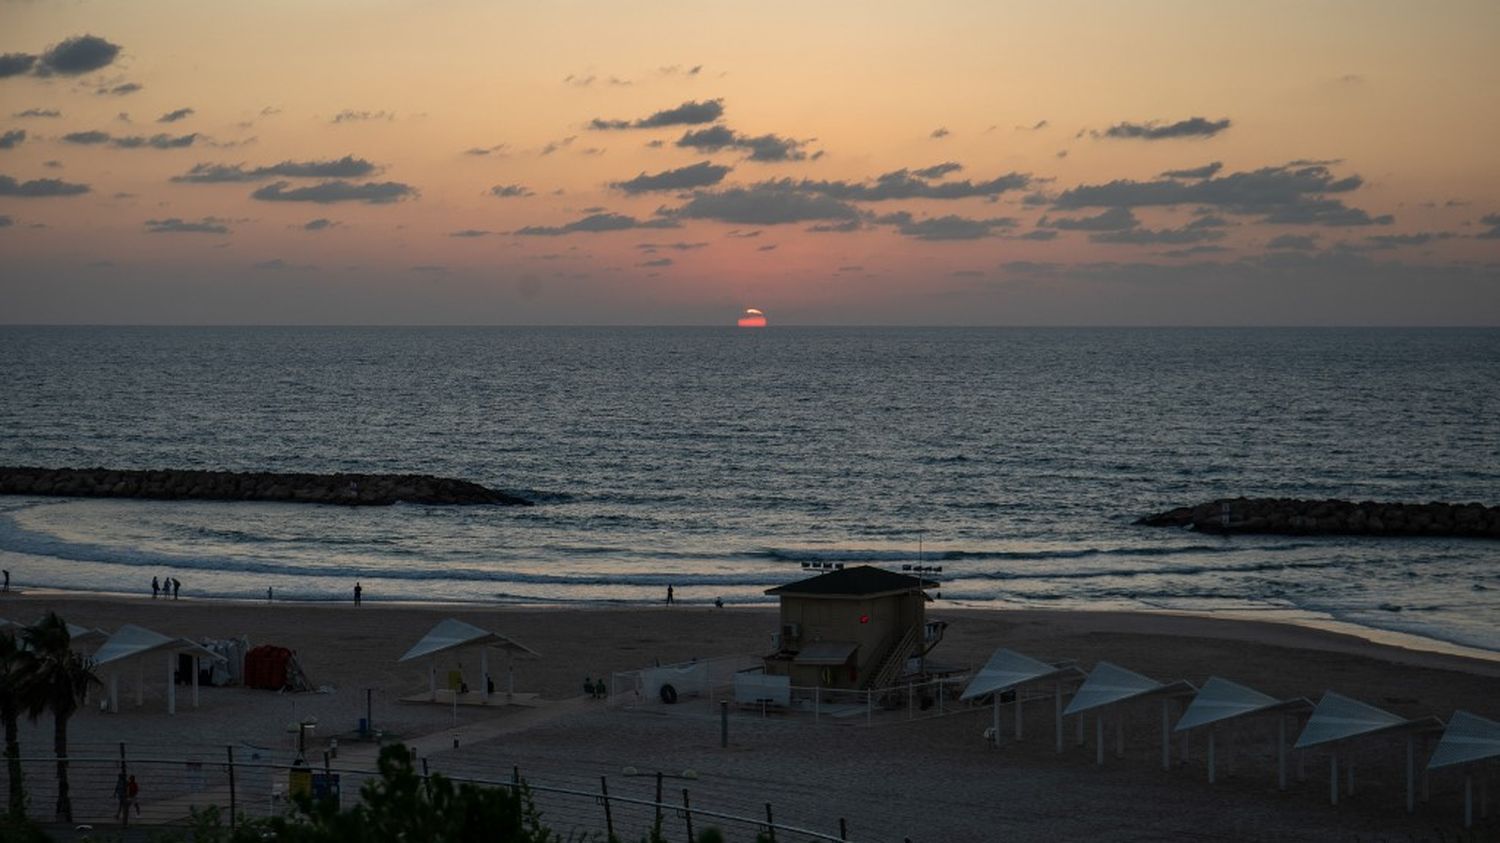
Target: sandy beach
pixel 934 779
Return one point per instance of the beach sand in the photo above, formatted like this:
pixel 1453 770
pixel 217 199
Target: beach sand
pixel 932 779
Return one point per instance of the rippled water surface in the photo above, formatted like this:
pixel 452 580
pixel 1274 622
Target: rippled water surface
pixel 721 461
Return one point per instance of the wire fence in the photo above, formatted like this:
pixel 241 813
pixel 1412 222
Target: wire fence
pixel 169 790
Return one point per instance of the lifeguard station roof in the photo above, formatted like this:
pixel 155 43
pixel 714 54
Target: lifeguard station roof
pixel 861 581
pixel 130 641
pixel 453 634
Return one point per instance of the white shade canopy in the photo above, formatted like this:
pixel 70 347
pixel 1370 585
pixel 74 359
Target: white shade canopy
pixel 1110 683
pixel 1220 699
pixel 130 641
pixel 1468 737
pixel 1008 669
pixel 1338 717
pixel 454 634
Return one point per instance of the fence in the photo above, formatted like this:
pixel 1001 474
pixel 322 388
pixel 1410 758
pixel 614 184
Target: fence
pixel 172 788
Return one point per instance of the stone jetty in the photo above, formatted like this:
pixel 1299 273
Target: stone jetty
pixel 346 489
pixel 1289 516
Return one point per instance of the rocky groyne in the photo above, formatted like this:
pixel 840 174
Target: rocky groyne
pixel 1289 516
pixel 346 489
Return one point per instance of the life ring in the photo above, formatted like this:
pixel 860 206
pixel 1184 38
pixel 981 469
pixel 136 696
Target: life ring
pixel 827 676
pixel 668 694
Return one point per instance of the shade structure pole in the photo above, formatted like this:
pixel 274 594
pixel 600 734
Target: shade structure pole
pixel 432 678
pixel 140 681
pixel 195 681
pixel 484 673
pixel 1018 715
pixel 1468 799
pixel 1333 778
pixel 1211 758
pixel 1411 773
pixel 1099 738
pixel 995 707
pixel 1078 728
pixel 171 684
pixel 1349 774
pixel 1057 714
pixel 1166 737
pixel 114 691
pixel 1281 753
pixel 1120 734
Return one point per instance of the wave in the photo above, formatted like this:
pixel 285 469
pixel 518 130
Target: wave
pixel 911 555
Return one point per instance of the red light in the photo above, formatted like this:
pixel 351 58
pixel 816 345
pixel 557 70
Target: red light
pixel 864 618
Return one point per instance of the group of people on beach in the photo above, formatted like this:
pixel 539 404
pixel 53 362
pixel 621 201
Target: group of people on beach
pixel 166 587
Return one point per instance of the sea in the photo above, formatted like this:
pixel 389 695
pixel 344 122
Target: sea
pixel 1011 463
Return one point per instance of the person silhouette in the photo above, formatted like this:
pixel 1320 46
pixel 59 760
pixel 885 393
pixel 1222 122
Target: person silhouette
pixel 669 595
pixel 359 590
pixel 155 588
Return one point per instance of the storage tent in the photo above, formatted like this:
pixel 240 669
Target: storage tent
pixel 1111 685
pixel 135 644
pixel 1008 670
pixel 1338 718
pixel 1468 738
pixel 1220 700
pixel 451 636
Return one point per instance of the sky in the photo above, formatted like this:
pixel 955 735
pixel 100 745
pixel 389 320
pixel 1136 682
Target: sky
pixel 868 163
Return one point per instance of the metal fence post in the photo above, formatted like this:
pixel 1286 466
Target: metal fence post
pixel 233 821
pixel 723 724
pixel 609 820
pixel 658 801
pixel 843 829
pixel 123 799
pixel 687 814
pixel 770 823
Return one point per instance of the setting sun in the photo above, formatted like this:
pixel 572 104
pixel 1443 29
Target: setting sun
pixel 753 318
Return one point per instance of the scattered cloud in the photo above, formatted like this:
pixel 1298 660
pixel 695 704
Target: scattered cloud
pixel 688 114
pixel 319 224
pixel 176 225
pixel 351 116
pixel 1493 221
pixel 702 174
pixel 948 227
pixel 844 227
pixel 680 70
pixel 471 232
pixel 1394 241
pixel 38 112
pixel 1193 127
pixel 579 80
pixel 939 133
pixel 657 262
pixel 15 64
pixel 967 273
pixel 1193 251
pixel 1204 172
pixel 120 90
pixel 554 146
pixel 1158 237
pixel 769 247
pixel 338 168
pixel 39 188
pixel 279 265
pixel 1113 219
pixel 906 184
pixel 157 141
pixel 1040 234
pixel 767 203
pixel 679 246
pixel 371 193
pixel 12 138
pixel 937 171
pixel 69 57
pixel 498 150
pixel 595 223
pixel 761 147
pixel 1034 127
pixel 174 116
pixel 1300 242
pixel 507 191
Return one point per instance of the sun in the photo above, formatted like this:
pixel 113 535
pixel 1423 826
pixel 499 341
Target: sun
pixel 753 318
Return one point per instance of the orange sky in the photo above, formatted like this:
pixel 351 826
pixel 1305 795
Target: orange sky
pixel 1356 179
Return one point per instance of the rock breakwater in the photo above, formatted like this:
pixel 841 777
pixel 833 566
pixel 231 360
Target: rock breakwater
pixel 1290 516
pixel 346 489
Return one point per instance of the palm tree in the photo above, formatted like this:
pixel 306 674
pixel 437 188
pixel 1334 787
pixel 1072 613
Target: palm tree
pixel 12 657
pixel 55 679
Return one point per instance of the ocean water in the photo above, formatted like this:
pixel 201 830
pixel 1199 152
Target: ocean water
pixel 721 461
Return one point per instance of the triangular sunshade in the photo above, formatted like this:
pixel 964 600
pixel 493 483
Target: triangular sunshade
pixel 129 640
pixel 453 633
pixel 1221 699
pixel 1110 683
pixel 1006 669
pixel 1468 737
pixel 1338 717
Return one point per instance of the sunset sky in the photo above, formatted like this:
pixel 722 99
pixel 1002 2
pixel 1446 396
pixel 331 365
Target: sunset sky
pixel 959 163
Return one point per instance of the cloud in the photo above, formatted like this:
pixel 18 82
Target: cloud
pixel 39 188
pixel 702 174
pixel 16 64
pixel 318 224
pixel 174 116
pixel 123 89
pixel 175 225
pixel 675 69
pixel 497 150
pixel 1034 127
pixel 1114 219
pixel 554 146
pixel 688 114
pixel 1193 251
pixel 6 221
pixel 38 112
pixel 905 184
pixel 760 147
pixel 337 168
pixel 657 262
pixel 506 191
pixel 845 227
pixel 372 193
pixel 1493 221
pixel 1204 172
pixel 1040 234
pixel 767 203
pixel 594 223
pixel 157 141
pixel 937 171
pixel 1193 127
pixel 471 232
pixel 12 138
pixel 1393 241
pixel 1302 242
pixel 949 227
pixel 350 116
pixel 939 133
pixel 1287 194
pixel 679 246
pixel 279 265
pixel 1164 236
pixel 73 56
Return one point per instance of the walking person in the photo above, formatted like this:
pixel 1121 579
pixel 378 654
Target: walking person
pixel 155 588
pixel 122 798
pixel 176 587
pixel 7 581
pixel 669 595
pixel 359 590
pixel 133 795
